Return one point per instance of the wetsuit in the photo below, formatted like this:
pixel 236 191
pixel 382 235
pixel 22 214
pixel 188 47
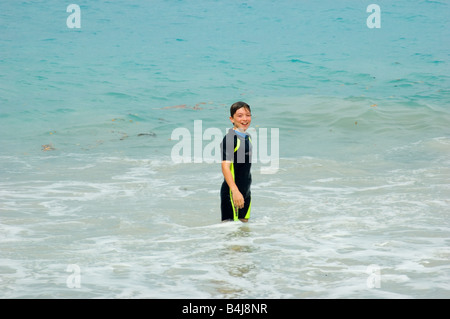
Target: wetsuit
pixel 237 148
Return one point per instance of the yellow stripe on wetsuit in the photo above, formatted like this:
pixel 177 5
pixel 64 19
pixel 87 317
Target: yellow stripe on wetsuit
pixel 235 209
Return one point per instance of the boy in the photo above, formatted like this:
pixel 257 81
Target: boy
pixel 236 148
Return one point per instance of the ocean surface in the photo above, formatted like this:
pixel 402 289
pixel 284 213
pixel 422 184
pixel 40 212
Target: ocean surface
pixel 350 193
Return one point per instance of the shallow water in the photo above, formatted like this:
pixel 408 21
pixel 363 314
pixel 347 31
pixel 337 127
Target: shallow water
pixel 356 207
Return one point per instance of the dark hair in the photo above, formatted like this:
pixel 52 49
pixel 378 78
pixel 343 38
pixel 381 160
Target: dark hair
pixel 236 106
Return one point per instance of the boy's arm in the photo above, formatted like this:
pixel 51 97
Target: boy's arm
pixel 238 199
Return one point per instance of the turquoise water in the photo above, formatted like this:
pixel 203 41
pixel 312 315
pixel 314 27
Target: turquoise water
pixel 87 177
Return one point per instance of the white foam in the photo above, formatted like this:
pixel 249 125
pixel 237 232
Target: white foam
pixel 140 228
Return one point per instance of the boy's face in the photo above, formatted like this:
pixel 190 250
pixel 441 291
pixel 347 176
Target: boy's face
pixel 241 119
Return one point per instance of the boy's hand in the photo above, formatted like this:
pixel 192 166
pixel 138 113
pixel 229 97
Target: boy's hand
pixel 238 199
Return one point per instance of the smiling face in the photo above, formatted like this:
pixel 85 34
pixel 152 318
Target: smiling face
pixel 241 119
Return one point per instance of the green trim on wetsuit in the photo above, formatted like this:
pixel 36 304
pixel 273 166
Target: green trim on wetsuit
pixel 235 211
pixel 247 216
pixel 238 144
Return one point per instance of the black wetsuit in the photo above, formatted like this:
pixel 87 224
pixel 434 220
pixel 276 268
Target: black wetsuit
pixel 238 150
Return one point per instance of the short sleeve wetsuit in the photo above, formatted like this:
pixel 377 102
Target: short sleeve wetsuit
pixel 237 148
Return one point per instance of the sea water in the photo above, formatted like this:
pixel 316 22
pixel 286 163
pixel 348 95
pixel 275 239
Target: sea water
pixel 93 204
